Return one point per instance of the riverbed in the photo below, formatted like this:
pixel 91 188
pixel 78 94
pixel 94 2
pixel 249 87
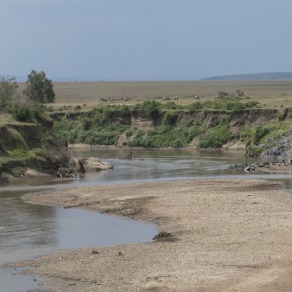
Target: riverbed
pixel 50 226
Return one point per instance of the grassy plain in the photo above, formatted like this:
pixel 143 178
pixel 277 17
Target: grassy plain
pixel 271 94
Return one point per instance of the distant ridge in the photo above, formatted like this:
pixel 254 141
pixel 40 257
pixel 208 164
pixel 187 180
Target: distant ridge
pixel 255 76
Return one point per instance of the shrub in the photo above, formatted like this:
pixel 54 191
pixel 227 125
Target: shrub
pixel 252 104
pixel 254 151
pixel 246 135
pixel 195 131
pixel 151 108
pixel 171 106
pixel 41 152
pixel 195 106
pixel 260 133
pixel 170 118
pixel 215 138
pixel 22 113
pixel 28 112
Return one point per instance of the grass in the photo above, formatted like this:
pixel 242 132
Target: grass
pixel 87 95
pixel 6 118
pixel 146 99
pixel 22 154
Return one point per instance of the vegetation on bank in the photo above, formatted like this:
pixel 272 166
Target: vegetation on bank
pixel 26 136
pixel 206 124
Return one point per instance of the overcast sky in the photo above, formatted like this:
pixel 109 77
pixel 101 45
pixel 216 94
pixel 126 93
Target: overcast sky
pixel 145 39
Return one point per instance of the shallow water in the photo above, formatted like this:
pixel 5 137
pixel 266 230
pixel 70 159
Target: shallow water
pixel 27 230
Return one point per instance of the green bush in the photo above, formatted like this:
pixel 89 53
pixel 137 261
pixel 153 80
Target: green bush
pixel 195 106
pixel 22 113
pixel 171 106
pixel 246 135
pixel 216 138
pixel 170 118
pixel 28 112
pixel 260 133
pixel 252 104
pixel 195 131
pixel 162 136
pixel 41 152
pixel 151 108
pixel 254 150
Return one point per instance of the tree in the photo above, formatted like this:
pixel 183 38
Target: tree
pixel 38 88
pixel 8 88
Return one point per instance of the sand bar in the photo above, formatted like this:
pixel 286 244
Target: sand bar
pixel 224 235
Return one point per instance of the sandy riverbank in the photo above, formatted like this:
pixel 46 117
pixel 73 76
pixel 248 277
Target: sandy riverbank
pixel 226 235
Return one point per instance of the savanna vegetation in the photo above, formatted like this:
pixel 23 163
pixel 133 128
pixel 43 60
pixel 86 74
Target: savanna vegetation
pixel 26 136
pixel 204 124
pixel 204 114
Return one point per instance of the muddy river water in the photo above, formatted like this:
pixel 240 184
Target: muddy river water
pixel 28 231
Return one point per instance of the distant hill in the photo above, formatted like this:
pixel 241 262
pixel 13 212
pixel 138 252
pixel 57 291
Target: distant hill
pixel 255 76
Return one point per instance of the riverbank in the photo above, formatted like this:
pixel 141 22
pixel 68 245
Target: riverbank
pixel 222 235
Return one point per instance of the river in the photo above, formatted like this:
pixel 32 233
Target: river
pixel 27 230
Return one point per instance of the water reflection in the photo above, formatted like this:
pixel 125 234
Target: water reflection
pixel 27 230
pixel 94 229
pixel 23 226
pixel 162 164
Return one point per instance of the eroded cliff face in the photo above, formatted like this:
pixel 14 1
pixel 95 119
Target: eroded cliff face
pixel 236 120
pixel 25 146
pixel 254 130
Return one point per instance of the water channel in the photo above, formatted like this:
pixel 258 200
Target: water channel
pixel 28 231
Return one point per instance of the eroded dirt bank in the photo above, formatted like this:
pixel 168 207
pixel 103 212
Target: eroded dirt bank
pixel 227 235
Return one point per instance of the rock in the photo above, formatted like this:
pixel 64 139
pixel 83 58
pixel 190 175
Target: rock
pixel 265 164
pixel 238 166
pixel 164 236
pixel 76 165
pixel 93 163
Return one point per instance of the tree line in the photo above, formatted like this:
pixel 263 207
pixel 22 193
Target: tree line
pixel 38 89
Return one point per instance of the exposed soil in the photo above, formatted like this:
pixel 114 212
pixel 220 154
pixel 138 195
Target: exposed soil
pixel 215 235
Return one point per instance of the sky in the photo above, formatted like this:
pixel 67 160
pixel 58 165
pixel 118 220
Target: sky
pixel 145 39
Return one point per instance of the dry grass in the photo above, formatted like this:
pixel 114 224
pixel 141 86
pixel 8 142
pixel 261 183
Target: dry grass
pixel 271 94
pixel 5 118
